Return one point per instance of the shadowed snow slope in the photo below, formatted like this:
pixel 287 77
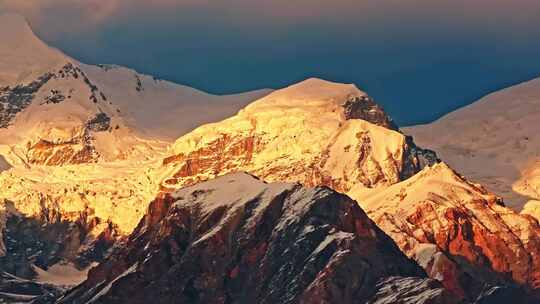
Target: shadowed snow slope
pixel 493 141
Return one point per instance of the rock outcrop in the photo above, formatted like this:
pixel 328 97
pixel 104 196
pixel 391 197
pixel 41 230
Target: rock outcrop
pixel 44 242
pixel 236 239
pixel 4 165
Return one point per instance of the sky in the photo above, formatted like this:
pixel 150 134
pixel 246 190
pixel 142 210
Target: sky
pixel 419 59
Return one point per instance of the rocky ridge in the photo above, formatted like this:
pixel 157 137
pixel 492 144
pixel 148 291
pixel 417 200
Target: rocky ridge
pixel 237 239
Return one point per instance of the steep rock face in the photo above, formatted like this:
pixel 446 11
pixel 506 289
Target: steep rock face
pixel 460 233
pixel 365 108
pixel 315 132
pixel 39 242
pixel 236 239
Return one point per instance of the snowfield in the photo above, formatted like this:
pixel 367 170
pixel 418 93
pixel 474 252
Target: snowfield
pixel 493 141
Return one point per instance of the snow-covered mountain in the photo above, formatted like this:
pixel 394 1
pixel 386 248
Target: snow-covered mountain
pixel 86 152
pixel 55 110
pixel 315 132
pixel 77 147
pixel 458 231
pixel 237 239
pixel 493 141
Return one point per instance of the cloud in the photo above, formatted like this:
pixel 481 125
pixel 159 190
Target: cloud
pixel 58 17
pixel 78 15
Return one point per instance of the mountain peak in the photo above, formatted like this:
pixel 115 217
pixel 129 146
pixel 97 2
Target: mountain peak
pixel 23 56
pixel 321 98
pixel 16 31
pixel 13 21
pixel 317 89
pixel 311 95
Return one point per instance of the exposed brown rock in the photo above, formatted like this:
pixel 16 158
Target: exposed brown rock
pixel 460 233
pixel 76 151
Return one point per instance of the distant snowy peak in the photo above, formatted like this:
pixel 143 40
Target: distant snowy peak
pixel 493 141
pixel 161 109
pixel 23 56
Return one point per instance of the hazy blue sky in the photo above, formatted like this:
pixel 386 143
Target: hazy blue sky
pixel 418 58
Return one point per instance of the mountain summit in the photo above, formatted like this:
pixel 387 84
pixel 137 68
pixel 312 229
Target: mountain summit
pixel 23 56
pixel 319 96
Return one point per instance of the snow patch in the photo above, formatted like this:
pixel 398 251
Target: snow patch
pixel 61 274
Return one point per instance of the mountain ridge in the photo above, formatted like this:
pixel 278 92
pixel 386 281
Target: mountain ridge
pixel 254 242
pixel 20 49
pixel 88 172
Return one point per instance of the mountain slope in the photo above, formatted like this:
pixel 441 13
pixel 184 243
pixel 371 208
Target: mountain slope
pixel 55 110
pixel 23 57
pixel 493 141
pixel 87 156
pixel 236 239
pixel 78 144
pixel 459 232
pixel 315 132
pixel 302 134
